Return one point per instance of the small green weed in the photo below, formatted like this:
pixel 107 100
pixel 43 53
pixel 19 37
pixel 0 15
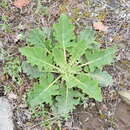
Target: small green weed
pixel 12 67
pixel 71 66
pixel 4 4
pixel 40 9
pixel 7 89
pixel 3 54
pixel 5 26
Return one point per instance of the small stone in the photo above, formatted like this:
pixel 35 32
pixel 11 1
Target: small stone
pixel 6 121
pixel 1 44
pixel 11 95
pixel 125 95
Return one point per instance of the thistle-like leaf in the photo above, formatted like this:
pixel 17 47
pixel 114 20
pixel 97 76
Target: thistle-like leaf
pixel 77 50
pixel 65 104
pixel 36 37
pixel 38 56
pixel 103 78
pixel 70 82
pixel 31 71
pixel 89 87
pixel 59 56
pixel 43 92
pixel 99 58
pixel 64 30
pixel 88 36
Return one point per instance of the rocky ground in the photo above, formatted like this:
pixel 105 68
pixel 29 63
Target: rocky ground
pixel 112 113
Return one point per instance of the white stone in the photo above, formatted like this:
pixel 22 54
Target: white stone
pixel 6 122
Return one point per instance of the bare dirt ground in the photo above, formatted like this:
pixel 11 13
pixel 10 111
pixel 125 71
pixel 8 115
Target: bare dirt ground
pixel 112 113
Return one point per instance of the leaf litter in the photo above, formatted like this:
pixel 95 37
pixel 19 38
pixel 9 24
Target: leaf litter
pixel 21 3
pixel 100 26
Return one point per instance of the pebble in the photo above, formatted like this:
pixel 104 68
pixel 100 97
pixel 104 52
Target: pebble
pixel 6 121
pixel 125 96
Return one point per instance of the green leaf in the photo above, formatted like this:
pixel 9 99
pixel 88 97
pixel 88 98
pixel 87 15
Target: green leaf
pixel 99 58
pixel 43 92
pixel 89 87
pixel 65 104
pixel 40 38
pixel 78 49
pixel 64 30
pixel 58 54
pixel 33 72
pixel 103 78
pixel 34 55
pixel 69 79
pixel 47 32
pixel 88 36
pixel 37 56
pixel 36 37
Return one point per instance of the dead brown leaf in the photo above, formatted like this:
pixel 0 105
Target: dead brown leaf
pixel 100 26
pixel 21 3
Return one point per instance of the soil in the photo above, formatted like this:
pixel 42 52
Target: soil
pixel 112 113
pixel 122 116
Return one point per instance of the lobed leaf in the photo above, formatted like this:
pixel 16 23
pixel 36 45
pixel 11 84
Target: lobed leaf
pixel 36 37
pixel 59 56
pixel 64 104
pixel 103 78
pixel 64 30
pixel 89 87
pixel 43 92
pixel 31 71
pixel 69 79
pixel 77 50
pixel 99 58
pixel 88 37
pixel 38 56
